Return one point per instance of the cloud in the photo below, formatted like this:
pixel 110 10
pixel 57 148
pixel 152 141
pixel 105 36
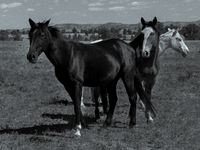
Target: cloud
pixel 117 8
pixel 11 5
pixel 140 5
pixel 30 9
pixel 95 9
pixel 95 4
pixel 118 1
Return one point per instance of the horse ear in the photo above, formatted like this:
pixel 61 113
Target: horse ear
pixel 143 21
pixel 175 32
pixel 47 23
pixel 155 21
pixel 32 23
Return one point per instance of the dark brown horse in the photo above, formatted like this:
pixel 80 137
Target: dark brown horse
pixel 77 64
pixel 148 64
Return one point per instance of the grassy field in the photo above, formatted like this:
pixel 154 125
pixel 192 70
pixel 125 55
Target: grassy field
pixel 36 112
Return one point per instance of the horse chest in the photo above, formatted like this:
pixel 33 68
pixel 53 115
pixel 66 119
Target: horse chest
pixel 148 73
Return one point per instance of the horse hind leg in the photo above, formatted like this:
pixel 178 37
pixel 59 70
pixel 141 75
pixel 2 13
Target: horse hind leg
pixel 111 90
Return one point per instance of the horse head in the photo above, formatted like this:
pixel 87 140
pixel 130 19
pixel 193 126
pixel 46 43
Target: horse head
pixel 177 42
pixel 150 37
pixel 39 40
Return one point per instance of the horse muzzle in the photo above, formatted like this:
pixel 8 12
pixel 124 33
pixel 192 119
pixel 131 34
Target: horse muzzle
pixel 33 56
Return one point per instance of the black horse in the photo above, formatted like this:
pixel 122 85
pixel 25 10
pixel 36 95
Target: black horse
pixel 77 64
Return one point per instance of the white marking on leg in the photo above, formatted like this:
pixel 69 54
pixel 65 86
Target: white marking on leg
pixel 82 104
pixel 78 129
pixel 148 116
pixel 142 104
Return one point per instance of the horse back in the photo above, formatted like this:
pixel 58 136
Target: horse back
pixel 100 63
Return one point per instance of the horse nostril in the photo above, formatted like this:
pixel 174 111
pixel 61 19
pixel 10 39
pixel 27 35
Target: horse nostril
pixel 33 57
pixel 146 53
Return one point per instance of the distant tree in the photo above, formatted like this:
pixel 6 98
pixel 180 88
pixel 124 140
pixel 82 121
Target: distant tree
pixel 125 31
pixel 103 33
pixel 16 35
pixel 129 31
pixel 86 32
pixel 74 30
pixel 160 27
pixel 69 37
pixel 4 36
pixel 80 37
pixel 63 31
pixel 171 26
pixel 191 32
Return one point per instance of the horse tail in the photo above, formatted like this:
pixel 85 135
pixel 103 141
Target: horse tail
pixel 143 95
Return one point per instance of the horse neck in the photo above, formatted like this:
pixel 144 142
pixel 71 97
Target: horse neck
pixel 55 51
pixel 136 42
pixel 164 44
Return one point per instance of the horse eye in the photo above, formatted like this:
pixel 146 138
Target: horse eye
pixel 42 35
pixel 178 39
pixel 152 33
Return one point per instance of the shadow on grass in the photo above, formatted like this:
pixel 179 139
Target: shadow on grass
pixel 66 103
pixel 42 129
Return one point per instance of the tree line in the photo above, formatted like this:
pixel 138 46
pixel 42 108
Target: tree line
pixel 190 32
pixel 14 35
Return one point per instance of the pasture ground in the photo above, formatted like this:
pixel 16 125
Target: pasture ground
pixel 36 112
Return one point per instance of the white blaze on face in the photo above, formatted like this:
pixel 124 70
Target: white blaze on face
pixel 147 43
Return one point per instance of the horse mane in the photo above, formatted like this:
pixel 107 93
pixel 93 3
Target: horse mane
pixel 54 31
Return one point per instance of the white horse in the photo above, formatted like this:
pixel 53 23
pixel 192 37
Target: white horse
pixel 171 39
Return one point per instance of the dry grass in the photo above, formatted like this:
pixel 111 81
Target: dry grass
pixel 36 112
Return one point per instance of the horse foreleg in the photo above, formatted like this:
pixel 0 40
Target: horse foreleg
pixel 142 106
pixel 95 96
pixel 148 88
pixel 82 104
pixel 74 91
pixel 104 100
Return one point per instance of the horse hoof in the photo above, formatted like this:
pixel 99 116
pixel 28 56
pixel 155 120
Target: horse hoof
pixel 150 121
pixel 105 125
pixel 131 125
pixel 77 133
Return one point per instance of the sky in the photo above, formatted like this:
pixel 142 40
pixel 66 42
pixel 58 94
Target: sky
pixel 14 14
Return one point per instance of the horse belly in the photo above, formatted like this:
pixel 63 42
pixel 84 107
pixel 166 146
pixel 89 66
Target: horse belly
pixel 101 76
pixel 148 73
